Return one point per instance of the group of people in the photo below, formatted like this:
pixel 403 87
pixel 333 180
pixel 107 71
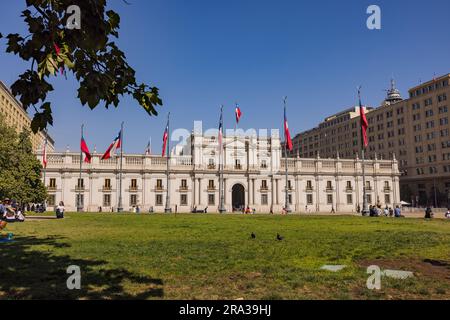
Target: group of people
pixel 377 211
pixel 10 211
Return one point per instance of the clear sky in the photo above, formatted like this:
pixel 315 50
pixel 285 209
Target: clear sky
pixel 203 53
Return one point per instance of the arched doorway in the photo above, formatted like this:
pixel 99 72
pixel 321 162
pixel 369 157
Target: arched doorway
pixel 238 197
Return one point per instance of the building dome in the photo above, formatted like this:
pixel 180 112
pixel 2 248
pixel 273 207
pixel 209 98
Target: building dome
pixel 393 94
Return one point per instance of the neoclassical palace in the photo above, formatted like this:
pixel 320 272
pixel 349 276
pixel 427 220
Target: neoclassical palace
pixel 253 175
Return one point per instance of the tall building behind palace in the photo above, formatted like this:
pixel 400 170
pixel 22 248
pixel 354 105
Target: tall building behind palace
pixel 415 130
pixel 254 176
pixel 15 116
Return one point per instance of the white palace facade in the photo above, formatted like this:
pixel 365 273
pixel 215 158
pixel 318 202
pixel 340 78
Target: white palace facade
pixel 253 175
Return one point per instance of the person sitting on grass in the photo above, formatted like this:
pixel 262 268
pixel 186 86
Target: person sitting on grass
pixel 447 214
pixel 398 212
pixel 428 213
pixel 60 210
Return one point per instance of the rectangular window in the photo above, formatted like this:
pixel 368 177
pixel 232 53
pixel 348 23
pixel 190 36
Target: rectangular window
pixel 349 199
pixel 133 183
pixel 80 183
pixel 183 200
pixel 309 184
pixel 107 184
pixel 133 199
pixel 79 200
pixel 329 186
pixel 211 184
pixel 106 200
pixel 264 184
pixel 51 200
pixel 329 199
pixel 183 184
pixel 290 198
pixel 211 199
pixel 52 183
pixel 159 199
pixel 159 184
pixel 387 199
pixel 369 199
pixel 264 199
pixel 309 199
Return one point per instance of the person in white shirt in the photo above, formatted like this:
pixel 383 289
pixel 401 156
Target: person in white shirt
pixel 447 214
pixel 60 210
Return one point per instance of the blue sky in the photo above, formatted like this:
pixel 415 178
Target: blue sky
pixel 203 53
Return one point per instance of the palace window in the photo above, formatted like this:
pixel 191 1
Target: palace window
pixel 51 200
pixel 159 184
pixel 329 185
pixel 159 199
pixel 184 184
pixel 183 199
pixel 309 199
pixel 211 184
pixel 387 199
pixel 133 199
pixel 349 185
pixel 349 199
pixel 329 199
pixel 211 199
pixel 106 200
pixel 133 184
pixel 309 185
pixel 80 183
pixel 264 184
pixel 107 184
pixel 264 199
pixel 52 183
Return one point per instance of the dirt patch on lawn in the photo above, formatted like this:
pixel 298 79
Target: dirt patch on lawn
pixel 431 280
pixel 429 268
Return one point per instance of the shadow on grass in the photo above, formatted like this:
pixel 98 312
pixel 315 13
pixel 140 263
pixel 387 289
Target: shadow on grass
pixel 28 273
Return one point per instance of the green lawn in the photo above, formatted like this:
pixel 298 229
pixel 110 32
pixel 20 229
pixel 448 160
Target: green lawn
pixel 212 257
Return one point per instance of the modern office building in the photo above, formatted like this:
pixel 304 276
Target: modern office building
pixel 415 130
pixel 15 116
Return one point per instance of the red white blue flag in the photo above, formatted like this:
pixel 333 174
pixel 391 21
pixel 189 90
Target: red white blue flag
pixel 165 137
pixel 238 113
pixel 220 128
pixel 44 154
pixel 364 123
pixel 85 150
pixel 287 135
pixel 113 147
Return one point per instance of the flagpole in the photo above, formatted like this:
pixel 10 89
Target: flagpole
pixel 45 165
pixel 365 209
pixel 167 209
pixel 222 208
pixel 119 205
pixel 286 198
pixel 79 206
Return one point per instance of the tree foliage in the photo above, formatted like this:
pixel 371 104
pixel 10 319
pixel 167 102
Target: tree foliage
pixel 20 170
pixel 89 53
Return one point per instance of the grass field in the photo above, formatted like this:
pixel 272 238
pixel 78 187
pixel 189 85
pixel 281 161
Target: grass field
pixel 212 257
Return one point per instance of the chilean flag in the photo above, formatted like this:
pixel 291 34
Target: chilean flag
pixel 287 135
pixel 220 128
pixel 238 113
pixel 44 154
pixel 364 124
pixel 165 137
pixel 113 147
pixel 85 150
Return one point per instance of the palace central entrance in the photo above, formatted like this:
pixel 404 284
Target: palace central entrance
pixel 238 197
